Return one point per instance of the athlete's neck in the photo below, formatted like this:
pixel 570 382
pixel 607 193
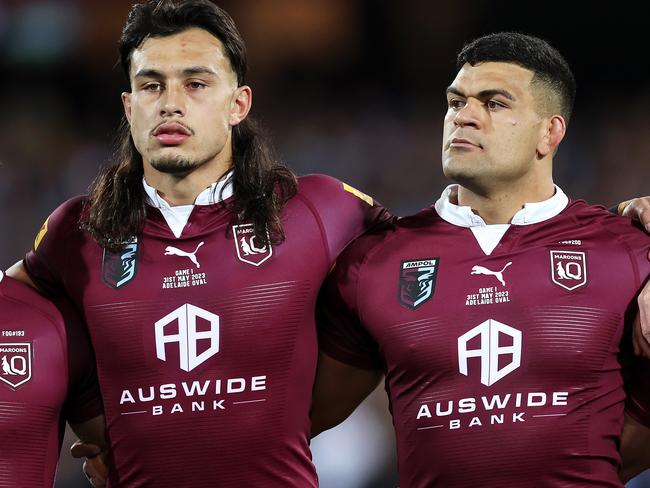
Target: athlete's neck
pixel 499 206
pixel 183 189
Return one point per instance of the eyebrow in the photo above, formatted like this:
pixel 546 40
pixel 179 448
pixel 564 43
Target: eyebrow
pixel 191 71
pixel 483 93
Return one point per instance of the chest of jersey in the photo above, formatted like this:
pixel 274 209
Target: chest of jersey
pixel 33 386
pixel 213 323
pixel 33 360
pixel 532 323
pixel 502 352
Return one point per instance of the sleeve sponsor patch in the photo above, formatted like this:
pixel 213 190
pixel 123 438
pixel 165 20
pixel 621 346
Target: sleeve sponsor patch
pixel 40 235
pixel 358 194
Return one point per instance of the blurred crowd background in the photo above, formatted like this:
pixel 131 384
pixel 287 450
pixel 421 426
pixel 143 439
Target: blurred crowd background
pixel 351 88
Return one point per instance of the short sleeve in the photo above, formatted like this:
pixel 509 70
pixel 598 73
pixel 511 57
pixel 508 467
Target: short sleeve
pixel 83 401
pixel 46 262
pixel 344 212
pixel 341 334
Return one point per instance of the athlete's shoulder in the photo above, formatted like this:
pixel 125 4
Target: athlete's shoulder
pixel 621 227
pixel 343 212
pixel 317 186
pixel 425 218
pixel 21 295
pixel 66 216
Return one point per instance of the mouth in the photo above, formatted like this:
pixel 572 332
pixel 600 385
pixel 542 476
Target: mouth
pixel 460 143
pixel 171 134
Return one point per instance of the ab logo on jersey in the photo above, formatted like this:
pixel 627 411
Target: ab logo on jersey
pixel 569 269
pixel 187 320
pixel 497 340
pixel 248 250
pixel 417 281
pixel 119 269
pixel 15 363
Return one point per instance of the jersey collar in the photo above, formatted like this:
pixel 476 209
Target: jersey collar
pixel 212 194
pixel 532 213
pixel 177 217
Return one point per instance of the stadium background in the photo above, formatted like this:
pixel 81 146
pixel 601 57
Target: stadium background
pixel 352 88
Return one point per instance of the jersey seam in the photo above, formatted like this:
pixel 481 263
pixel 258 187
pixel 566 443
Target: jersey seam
pixel 312 209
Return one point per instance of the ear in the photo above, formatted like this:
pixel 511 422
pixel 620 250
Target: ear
pixel 554 129
pixel 241 104
pixel 126 102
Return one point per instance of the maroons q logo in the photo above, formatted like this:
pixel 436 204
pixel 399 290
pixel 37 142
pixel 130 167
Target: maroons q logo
pixel 569 269
pixel 417 281
pixel 15 363
pixel 248 249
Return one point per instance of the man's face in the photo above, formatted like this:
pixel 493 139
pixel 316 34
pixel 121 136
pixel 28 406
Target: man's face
pixel 183 101
pixel 492 128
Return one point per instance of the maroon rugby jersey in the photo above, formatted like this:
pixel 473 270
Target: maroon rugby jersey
pixel 42 362
pixel 206 344
pixel 503 366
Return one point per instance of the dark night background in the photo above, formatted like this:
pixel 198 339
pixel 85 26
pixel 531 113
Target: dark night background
pixel 351 88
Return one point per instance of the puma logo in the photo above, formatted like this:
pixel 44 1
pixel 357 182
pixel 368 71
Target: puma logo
pixel 173 251
pixel 478 270
pixel 250 248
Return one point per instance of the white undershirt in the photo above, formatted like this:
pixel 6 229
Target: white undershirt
pixel 177 216
pixel 489 236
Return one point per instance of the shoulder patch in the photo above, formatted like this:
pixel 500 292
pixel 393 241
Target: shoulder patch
pixel 41 234
pixel 366 198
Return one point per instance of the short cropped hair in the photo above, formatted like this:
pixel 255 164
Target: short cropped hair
pixel 549 67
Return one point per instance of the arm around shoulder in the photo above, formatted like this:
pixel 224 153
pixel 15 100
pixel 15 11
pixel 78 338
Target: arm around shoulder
pixel 635 449
pixel 18 272
pixel 338 391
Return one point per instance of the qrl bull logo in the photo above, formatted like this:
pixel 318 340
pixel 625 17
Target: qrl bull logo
pixel 417 282
pixel 247 246
pixel 185 320
pixel 569 269
pixel 496 340
pixel 119 269
pixel 15 363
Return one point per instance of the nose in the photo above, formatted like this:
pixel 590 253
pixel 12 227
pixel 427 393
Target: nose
pixel 468 115
pixel 173 102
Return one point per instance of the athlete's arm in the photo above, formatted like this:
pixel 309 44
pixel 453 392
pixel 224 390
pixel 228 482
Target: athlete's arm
pixel 91 431
pixel 92 446
pixel 639 209
pixel 338 390
pixel 636 209
pixel 635 449
pixel 18 272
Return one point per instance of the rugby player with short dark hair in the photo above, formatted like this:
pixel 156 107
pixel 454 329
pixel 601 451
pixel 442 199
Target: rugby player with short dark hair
pixel 501 315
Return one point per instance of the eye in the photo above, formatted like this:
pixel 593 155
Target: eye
pixel 456 103
pixel 196 85
pixel 494 105
pixel 152 86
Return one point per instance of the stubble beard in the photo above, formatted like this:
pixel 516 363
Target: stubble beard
pixel 177 165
